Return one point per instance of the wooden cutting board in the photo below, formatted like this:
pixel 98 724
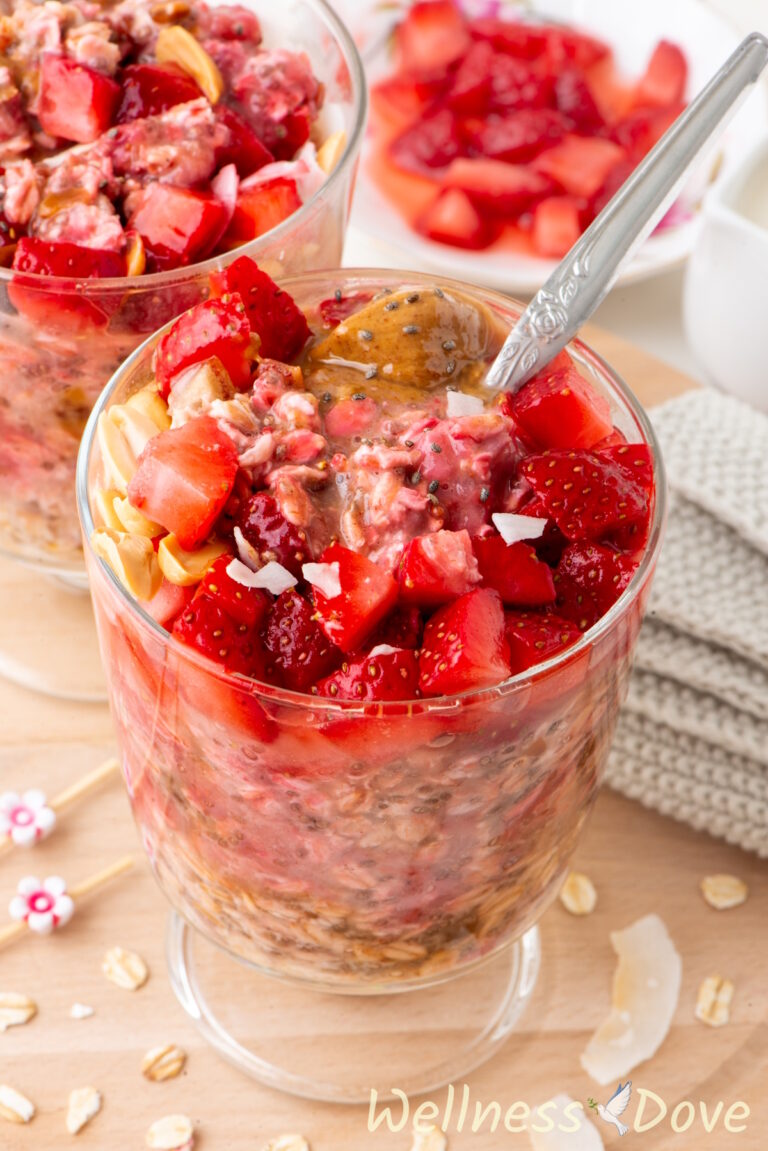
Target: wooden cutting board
pixel 639 862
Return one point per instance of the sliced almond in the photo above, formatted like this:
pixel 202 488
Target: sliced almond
pixel 15 1107
pixel 104 501
pixel 15 1010
pixel 163 1063
pixel 714 1003
pixel 118 459
pixel 131 520
pixel 429 1139
pixel 84 1104
pixel 132 559
pixel 170 10
pixel 175 45
pixel 331 150
pixel 170 1133
pixel 125 969
pixel 287 1143
pixel 578 894
pixel 152 404
pixel 724 891
pixel 195 389
pixel 137 428
pixel 135 256
pixel 186 568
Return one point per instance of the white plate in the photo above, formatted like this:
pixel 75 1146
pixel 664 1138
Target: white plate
pixel 706 39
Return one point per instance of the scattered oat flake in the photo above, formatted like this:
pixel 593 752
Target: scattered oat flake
pixel 15 1107
pixel 125 969
pixel 287 1143
pixel 84 1104
pixel 428 1139
pixel 578 894
pixel 714 1003
pixel 646 989
pixel 724 891
pixel 80 1011
pixel 552 1126
pixel 15 1009
pixel 163 1063
pixel 171 1133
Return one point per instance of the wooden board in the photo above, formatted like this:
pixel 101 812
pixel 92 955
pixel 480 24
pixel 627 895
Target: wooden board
pixel 639 861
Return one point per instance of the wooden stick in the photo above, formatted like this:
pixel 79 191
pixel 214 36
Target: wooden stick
pixel 72 793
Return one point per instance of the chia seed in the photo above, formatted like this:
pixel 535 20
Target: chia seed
pixel 435 448
pixel 365 334
pixel 327 397
pixel 416 478
pixel 484 494
pixel 434 486
pixel 392 306
pixel 450 367
pixel 411 330
pixel 449 345
pixel 358 395
pixel 413 298
pixel 439 292
pixel 337 294
pixel 408 443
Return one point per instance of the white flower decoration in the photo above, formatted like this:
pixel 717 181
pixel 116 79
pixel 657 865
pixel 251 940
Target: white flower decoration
pixel 42 905
pixel 25 818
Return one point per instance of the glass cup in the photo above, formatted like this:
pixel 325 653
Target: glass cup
pixel 355 848
pixel 61 340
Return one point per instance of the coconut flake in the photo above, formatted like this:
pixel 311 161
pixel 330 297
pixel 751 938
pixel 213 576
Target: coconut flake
pixel 80 1011
pixel 382 649
pixel 325 577
pixel 247 552
pixel 460 404
pixel 552 1126
pixel 513 529
pixel 273 577
pixel 646 988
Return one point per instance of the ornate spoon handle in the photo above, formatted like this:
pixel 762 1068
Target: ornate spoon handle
pixel 583 278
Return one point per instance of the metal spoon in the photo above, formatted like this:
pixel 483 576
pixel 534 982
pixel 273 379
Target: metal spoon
pixel 582 279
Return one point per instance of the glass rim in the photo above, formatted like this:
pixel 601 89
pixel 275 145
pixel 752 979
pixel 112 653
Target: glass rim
pixel 390 709
pixel 173 276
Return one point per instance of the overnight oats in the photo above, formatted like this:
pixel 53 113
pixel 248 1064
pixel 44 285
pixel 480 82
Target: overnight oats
pixel 366 627
pixel 140 141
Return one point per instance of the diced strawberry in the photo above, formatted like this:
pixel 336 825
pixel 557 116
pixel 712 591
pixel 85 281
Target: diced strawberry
pixel 168 602
pixel 432 36
pixel 184 478
pixel 74 102
pixel 560 409
pixel 589 579
pixel 341 307
pixel 177 225
pixel 464 646
pixel 73 309
pixel 534 638
pixel 269 532
pixel 272 313
pixel 260 209
pixel 527 41
pixel 367 594
pixel 470 89
pixel 245 150
pixel 350 417
pixel 586 494
pixel 518 136
pixel 430 143
pixel 616 177
pixel 403 627
pixel 205 626
pixel 403 99
pixel 516 85
pixel 556 226
pixel 244 605
pixel 514 571
pixel 638 132
pixel 551 543
pixel 152 88
pixel 579 164
pixel 575 100
pixel 300 652
pixel 665 77
pixel 290 134
pixel 380 676
pixel 69 261
pixel 566 46
pixel 636 462
pixel 213 328
pixel 453 219
pixel 493 186
pixel 437 568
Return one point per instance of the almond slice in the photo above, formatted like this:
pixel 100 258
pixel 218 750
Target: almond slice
pixel 578 894
pixel 15 1010
pixel 724 891
pixel 175 45
pixel 287 1143
pixel 331 150
pixel 186 568
pixel 84 1104
pixel 118 459
pixel 163 1063
pixel 714 1003
pixel 135 256
pixel 429 1139
pixel 15 1107
pixel 171 1133
pixel 152 404
pixel 131 520
pixel 104 501
pixel 137 428
pixel 132 559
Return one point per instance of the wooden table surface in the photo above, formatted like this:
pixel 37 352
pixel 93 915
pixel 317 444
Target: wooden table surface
pixel 639 862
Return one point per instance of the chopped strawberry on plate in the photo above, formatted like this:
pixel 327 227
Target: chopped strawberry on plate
pixel 213 328
pixel 432 36
pixel 366 593
pixel 437 568
pixel 74 102
pixel 560 409
pixel 464 645
pixel 517 136
pixel 556 225
pixel 580 164
pixel 453 219
pixel 301 653
pixel 385 674
pixel 432 142
pixel 496 187
pixel 665 77
pixel 576 102
pixel 589 579
pixel 514 571
pixel 272 313
pixel 586 493
pixel 178 226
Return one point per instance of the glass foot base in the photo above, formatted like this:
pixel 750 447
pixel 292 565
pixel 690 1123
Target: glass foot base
pixel 339 1048
pixel 48 635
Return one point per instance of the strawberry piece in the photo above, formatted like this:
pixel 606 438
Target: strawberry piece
pixel 288 135
pixel 614 180
pixel 514 571
pixel 589 579
pixel 665 77
pixel 556 226
pixel 74 102
pixel 580 165
pixel 640 130
pixel 245 150
pixel 526 41
pixel 340 307
pixel 168 602
pixel 636 461
pixel 300 652
pixel 403 627
pixel 560 409
pixel 260 209
pixel 403 99
pixel 206 626
pixel 453 219
pixel 575 100
pixel 151 88
pixel 431 142
pixel 534 638
pixel 69 261
pixel 177 225
pixel 389 675
pixel 568 47
pixel 551 543
pixel 433 36
pixel 367 594
pixel 586 494
pixel 184 478
pixel 246 605
pixel 272 313
pixel 501 189
pixel 470 89
pixel 72 309
pixel 516 85
pixel 437 568
pixel 518 136
pixel 350 417
pixel 464 646
pixel 213 328
pixel 266 529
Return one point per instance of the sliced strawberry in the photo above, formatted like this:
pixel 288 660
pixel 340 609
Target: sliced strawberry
pixel 245 150
pixel 470 89
pixel 665 77
pixel 301 653
pixel 184 478
pixel 551 543
pixel 432 37
pixel 614 180
pixel 464 646
pixel 403 99
pixel 367 594
pixel 350 417
pixel 589 579
pixel 177 225
pixel 272 313
pixel 560 409
pixel 269 532
pixel 243 604
pixel 341 307
pixel 205 626
pixel 152 88
pixel 74 309
pixel 430 143
pixel 556 226
pixel 260 209
pixel 526 41
pixel 517 136
pixel 534 638
pixel 403 627
pixel 386 675
pixel 636 461
pixel 437 568
pixel 516 85
pixel 565 46
pixel 586 494
pixel 285 137
pixel 575 100
pixel 74 102
pixel 501 189
pixel 514 571
pixel 580 165
pixel 168 602
pixel 213 328
pixel 640 130
pixel 70 261
pixel 453 219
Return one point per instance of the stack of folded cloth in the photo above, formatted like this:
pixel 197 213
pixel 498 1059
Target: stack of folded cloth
pixel 692 740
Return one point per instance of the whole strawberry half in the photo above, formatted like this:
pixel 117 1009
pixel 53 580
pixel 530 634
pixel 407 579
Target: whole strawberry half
pixel 464 645
pixel 385 674
pixel 588 581
pixel 587 494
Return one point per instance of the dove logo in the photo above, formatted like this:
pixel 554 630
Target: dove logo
pixel 611 1111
